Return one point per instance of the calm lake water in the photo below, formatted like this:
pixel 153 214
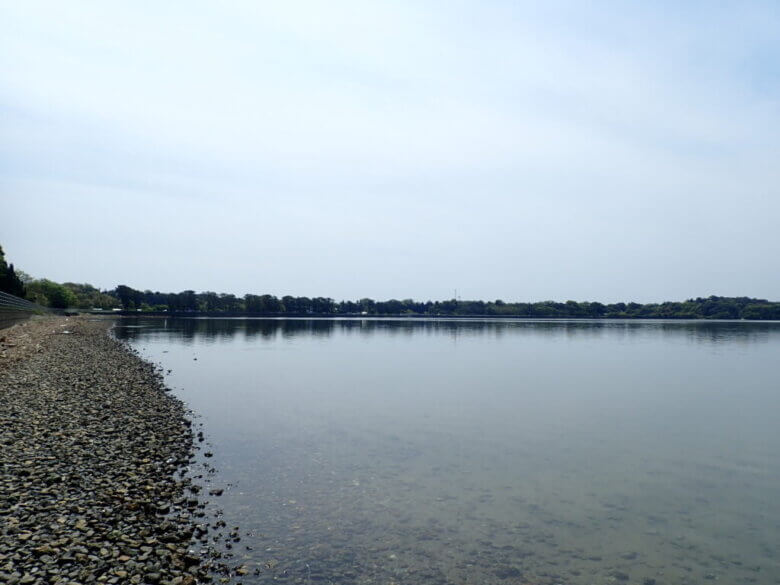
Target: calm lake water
pixel 540 452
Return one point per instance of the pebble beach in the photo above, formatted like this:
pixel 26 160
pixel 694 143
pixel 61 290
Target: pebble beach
pixel 93 453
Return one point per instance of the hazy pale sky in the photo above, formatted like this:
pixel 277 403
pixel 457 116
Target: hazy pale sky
pixel 523 151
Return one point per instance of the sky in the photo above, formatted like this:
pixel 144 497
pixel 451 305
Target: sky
pixel 524 151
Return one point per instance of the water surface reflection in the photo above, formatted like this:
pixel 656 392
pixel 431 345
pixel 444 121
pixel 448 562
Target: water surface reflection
pixel 455 451
pixel 211 328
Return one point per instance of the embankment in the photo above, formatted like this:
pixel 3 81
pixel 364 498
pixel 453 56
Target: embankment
pixel 91 450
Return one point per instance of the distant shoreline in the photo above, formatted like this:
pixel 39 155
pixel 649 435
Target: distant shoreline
pixel 411 317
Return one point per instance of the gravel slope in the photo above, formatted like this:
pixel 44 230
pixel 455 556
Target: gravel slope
pixel 91 447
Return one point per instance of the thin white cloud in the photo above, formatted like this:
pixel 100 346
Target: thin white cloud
pixel 503 133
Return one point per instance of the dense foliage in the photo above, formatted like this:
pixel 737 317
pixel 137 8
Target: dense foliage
pixel 9 281
pixel 189 301
pixel 86 296
pixel 50 294
pixel 89 297
pixel 68 295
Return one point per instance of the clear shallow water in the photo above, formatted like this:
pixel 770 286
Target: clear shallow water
pixel 584 452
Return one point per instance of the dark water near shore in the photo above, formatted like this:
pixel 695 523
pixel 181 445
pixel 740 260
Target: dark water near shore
pixel 487 452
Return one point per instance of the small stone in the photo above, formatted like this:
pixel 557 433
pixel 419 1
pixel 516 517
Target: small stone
pixel 98 454
pixel 630 556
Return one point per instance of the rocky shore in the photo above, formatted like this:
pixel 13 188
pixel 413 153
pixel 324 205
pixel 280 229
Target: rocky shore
pixel 92 459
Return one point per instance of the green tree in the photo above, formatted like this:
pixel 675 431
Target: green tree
pixel 50 294
pixel 130 298
pixel 9 281
pixel 89 297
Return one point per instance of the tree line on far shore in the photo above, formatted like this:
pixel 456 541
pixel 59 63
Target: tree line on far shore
pixel 85 296
pixel 712 307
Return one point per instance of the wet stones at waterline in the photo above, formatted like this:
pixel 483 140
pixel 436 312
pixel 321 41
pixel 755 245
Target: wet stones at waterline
pixel 91 450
